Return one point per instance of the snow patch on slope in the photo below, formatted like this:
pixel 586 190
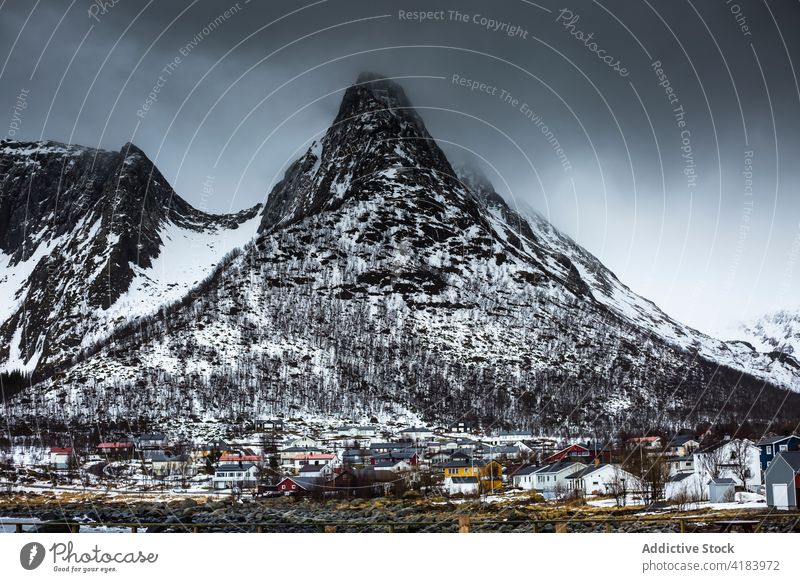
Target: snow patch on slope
pixel 187 257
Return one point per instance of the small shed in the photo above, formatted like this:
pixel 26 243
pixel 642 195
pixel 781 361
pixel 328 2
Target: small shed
pixel 782 480
pixel 721 490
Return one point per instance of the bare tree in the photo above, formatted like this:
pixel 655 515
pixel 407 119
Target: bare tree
pixel 712 461
pixel 619 486
pixel 741 454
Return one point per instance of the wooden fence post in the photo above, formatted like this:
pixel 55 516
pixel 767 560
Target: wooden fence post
pixel 330 529
pixel 463 524
pixel 561 527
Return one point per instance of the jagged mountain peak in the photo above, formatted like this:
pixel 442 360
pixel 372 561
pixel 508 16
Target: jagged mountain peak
pixel 376 140
pixel 374 94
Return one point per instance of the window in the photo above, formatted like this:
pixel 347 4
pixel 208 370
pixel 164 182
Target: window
pixel 769 449
pixel 783 447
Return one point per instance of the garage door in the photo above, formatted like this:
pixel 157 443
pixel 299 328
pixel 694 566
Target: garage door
pixel 780 495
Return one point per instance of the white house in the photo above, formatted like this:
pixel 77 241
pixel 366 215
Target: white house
pixel 316 471
pixel 737 459
pixel 524 477
pixel 510 436
pixel 304 441
pixel 296 462
pixel 551 479
pixel 162 465
pixel 244 475
pixel 417 433
pixel 681 445
pixel 683 464
pixel 601 479
pixel 462 485
pixel 396 466
pixel 365 431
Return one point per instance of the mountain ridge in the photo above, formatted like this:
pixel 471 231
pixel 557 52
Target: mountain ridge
pixel 96 218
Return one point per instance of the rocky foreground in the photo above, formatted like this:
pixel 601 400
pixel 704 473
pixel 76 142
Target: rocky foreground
pixel 411 514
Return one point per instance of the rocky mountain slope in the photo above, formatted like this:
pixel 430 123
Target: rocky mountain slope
pixel 90 239
pixel 383 281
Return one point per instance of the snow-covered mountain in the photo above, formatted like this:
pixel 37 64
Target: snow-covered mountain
pixel 778 331
pixel 383 280
pixel 91 239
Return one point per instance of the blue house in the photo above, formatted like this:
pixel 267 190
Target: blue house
pixel 771 446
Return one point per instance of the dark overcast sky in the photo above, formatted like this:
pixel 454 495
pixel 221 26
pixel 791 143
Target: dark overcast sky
pixel 248 96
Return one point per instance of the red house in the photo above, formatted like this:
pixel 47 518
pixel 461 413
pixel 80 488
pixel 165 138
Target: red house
pixel 579 452
pixel 298 485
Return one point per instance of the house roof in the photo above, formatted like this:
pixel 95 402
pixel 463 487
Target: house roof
pixel 589 469
pixel 645 439
pixel 557 467
pixel 792 458
pixel 467 463
pixel 61 451
pixel 217 444
pixel 374 446
pixel 237 458
pixel 153 436
pixel 396 454
pixel 686 457
pixel 115 446
pixel 386 464
pixel 504 450
pixel 349 427
pixel 723 481
pixel 714 446
pixel 301 450
pixel 162 458
pixel 776 439
pixel 526 470
pixel 312 468
pixel 677 477
pixel 242 467
pixel 464 480
pixel 680 439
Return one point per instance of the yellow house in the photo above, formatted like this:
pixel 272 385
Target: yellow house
pixel 488 473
